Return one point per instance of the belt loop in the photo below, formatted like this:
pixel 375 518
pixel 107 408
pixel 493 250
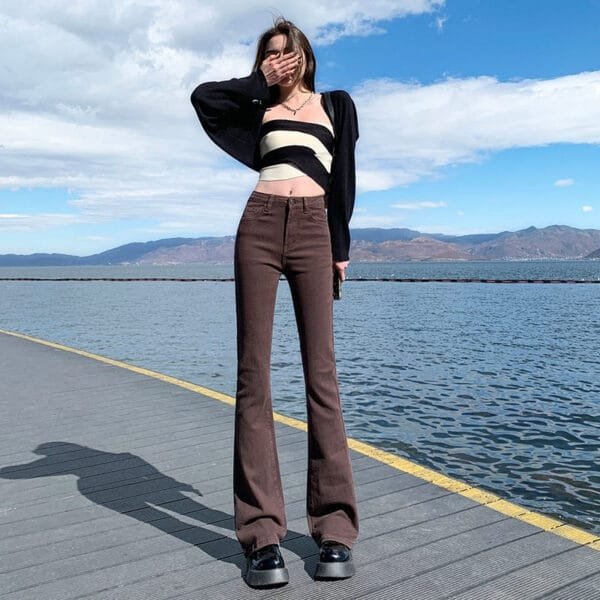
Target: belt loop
pixel 304 205
pixel 268 204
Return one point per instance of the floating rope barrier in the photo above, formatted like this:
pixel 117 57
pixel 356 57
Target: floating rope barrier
pixel 399 279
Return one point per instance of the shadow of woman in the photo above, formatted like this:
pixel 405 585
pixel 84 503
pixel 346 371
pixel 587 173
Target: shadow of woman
pixel 130 485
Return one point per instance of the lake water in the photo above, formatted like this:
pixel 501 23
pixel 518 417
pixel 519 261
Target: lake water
pixel 495 384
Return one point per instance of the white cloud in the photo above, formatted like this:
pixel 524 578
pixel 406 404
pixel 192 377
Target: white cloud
pixel 586 208
pixel 409 131
pixel 94 97
pixel 439 22
pixel 418 205
pixel 40 221
pixel 564 182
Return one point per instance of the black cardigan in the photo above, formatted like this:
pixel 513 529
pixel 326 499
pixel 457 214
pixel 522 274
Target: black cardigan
pixel 231 113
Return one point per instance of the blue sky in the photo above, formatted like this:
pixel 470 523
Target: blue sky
pixel 475 116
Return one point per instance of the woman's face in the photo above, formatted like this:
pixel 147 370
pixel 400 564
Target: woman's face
pixel 277 46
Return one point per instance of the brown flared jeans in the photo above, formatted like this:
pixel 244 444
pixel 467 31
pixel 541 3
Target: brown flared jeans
pixel 289 235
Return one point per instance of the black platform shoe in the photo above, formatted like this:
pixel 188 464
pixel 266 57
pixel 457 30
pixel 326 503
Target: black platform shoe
pixel 265 566
pixel 335 561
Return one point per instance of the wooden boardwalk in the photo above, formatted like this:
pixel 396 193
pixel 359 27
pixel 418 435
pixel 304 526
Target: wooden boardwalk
pixel 115 483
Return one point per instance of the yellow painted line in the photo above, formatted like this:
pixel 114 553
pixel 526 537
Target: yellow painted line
pixel 485 498
pixel 117 363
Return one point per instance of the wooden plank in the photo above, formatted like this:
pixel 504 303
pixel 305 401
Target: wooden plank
pixel 105 508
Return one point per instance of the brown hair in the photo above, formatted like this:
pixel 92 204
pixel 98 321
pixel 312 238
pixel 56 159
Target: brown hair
pixel 296 40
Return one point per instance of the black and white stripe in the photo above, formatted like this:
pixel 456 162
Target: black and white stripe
pixel 290 148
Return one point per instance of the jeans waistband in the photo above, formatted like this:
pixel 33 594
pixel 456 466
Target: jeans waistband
pixel 281 198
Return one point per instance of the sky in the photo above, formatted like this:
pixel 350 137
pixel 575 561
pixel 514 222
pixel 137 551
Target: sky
pixel 475 116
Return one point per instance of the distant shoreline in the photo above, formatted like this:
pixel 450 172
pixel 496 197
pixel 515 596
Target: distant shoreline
pixel 369 245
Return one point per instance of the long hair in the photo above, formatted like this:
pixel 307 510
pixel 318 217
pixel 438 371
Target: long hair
pixel 296 41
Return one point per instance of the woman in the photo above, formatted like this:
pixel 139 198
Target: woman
pixel 295 222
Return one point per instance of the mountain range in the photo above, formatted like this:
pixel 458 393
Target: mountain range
pixel 368 245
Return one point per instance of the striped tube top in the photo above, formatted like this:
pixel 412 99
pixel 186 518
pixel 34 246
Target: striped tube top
pixel 290 148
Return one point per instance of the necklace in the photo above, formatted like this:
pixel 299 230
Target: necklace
pixel 295 110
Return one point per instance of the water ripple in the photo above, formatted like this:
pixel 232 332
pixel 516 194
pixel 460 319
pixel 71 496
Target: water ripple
pixel 497 385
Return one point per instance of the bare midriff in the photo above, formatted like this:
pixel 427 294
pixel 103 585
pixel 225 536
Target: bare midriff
pixel 296 186
pixel 303 185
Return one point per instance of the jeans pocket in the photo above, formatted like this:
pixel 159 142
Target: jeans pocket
pixel 252 210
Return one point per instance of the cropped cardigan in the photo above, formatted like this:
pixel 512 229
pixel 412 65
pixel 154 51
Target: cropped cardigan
pixel 231 113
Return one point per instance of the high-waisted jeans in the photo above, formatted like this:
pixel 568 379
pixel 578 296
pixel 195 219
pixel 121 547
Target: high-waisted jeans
pixel 289 235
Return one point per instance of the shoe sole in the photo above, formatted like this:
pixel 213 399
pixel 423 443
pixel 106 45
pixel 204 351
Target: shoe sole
pixel 257 577
pixel 335 570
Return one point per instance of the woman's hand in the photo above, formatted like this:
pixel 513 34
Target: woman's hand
pixel 278 68
pixel 340 267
